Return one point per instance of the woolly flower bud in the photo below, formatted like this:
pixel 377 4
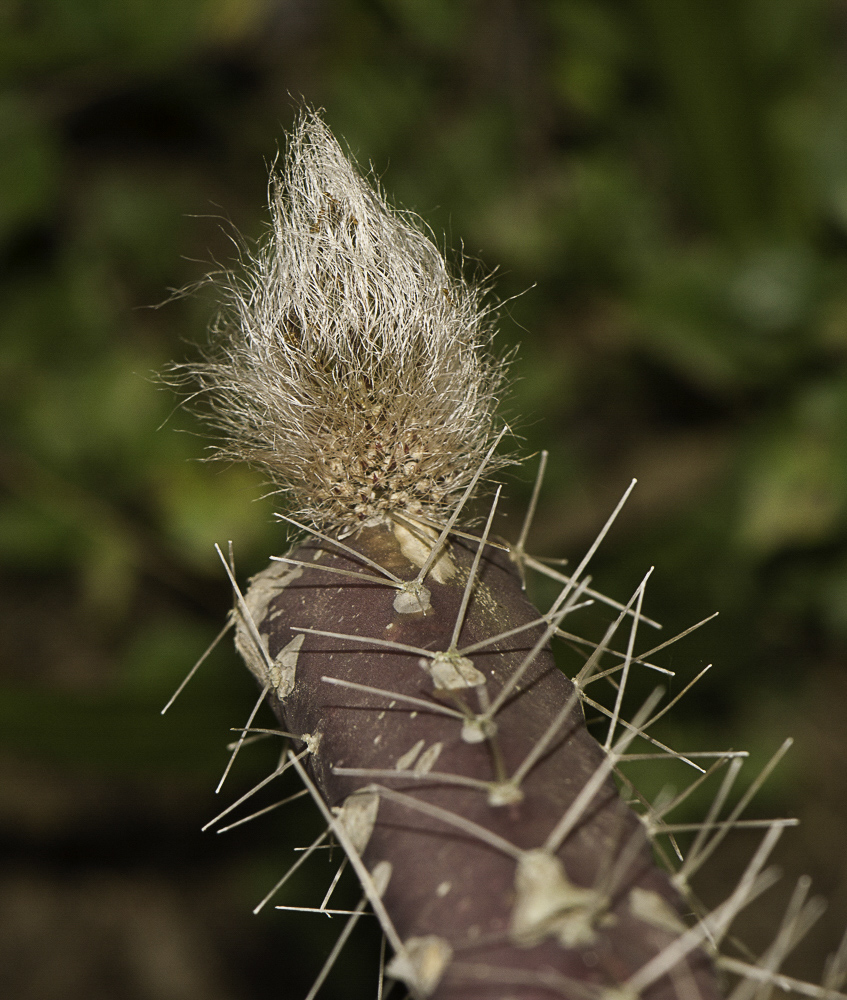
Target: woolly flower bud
pixel 349 364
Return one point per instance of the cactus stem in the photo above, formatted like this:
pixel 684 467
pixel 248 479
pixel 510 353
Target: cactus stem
pixel 432 706
pixel 481 833
pixel 579 805
pixel 354 553
pixel 352 367
pixel 371 891
pixel 715 924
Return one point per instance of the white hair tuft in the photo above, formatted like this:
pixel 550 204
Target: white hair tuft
pixel 348 363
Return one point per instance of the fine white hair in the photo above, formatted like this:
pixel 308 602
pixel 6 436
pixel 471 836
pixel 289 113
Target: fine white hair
pixel 348 362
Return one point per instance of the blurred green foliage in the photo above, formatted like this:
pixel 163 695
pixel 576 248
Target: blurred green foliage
pixel 665 181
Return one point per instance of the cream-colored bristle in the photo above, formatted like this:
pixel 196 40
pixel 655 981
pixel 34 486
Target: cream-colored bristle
pixel 348 363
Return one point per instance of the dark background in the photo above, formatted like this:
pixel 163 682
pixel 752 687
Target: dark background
pixel 665 180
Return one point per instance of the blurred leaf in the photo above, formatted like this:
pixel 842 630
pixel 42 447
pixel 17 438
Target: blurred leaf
pixel 32 540
pixel 439 24
pixel 794 498
pixel 201 505
pixel 120 733
pixel 41 35
pixel 773 290
pixel 718 118
pixel 592 44
pixel 794 490
pixel 29 165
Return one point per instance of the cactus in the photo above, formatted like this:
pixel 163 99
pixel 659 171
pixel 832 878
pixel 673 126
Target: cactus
pixel 395 644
